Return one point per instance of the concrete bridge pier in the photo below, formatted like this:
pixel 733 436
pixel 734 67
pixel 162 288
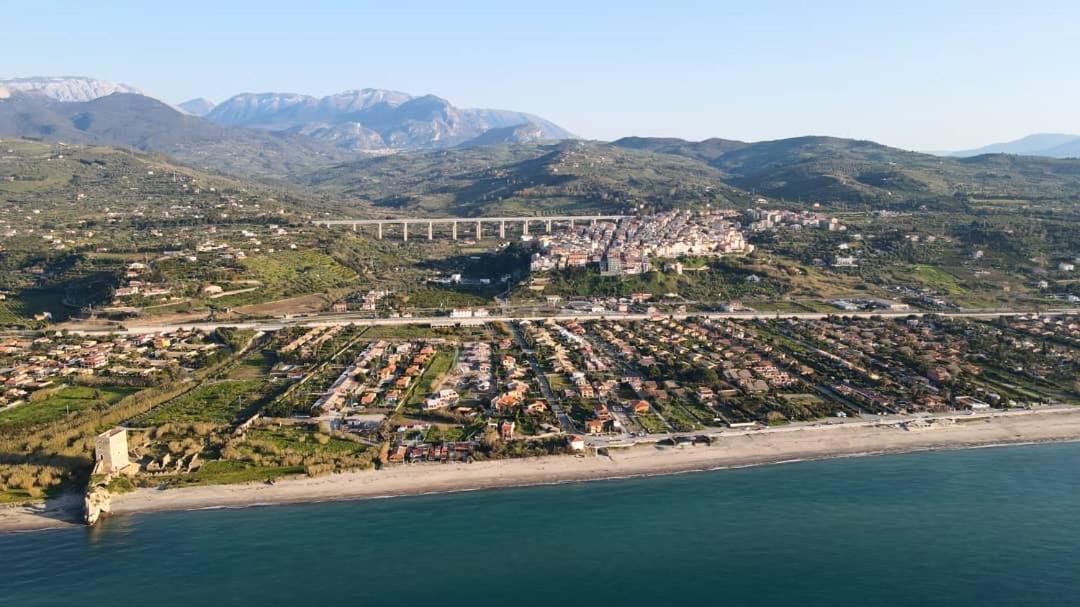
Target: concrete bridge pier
pixel 547 226
pixel 502 230
pixel 355 227
pixel 571 224
pixel 430 231
pixel 453 230
pixel 479 231
pixel 405 231
pixel 380 230
pixel 525 227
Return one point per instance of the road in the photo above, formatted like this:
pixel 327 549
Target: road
pixel 628 370
pixel 321 320
pixel 565 422
pixel 600 442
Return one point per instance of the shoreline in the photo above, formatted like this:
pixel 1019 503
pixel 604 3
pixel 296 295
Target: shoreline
pixel 729 452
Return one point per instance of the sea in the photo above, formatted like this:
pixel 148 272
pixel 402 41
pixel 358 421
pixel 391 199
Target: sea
pixel 991 526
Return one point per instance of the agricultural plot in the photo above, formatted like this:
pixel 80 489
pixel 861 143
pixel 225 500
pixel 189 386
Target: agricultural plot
pixel 298 440
pixel 19 310
pixel 221 402
pixel 288 273
pixel 253 366
pixel 224 472
pixel 68 400
pixel 440 364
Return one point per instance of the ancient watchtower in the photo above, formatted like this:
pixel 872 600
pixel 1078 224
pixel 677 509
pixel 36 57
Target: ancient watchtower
pixel 111 451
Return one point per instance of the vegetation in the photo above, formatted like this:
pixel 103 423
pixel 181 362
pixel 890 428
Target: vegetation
pixel 844 172
pixel 220 402
pixel 533 179
pixel 80 223
pixel 440 363
pixel 65 402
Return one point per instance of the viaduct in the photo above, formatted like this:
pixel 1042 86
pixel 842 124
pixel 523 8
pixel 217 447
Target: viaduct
pixel 477 223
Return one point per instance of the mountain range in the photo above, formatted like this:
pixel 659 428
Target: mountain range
pixel 261 134
pixel 126 120
pixel 850 170
pixel 1052 145
pixel 425 155
pixel 375 119
pixel 641 172
pixel 200 106
pixel 66 88
pixel 364 120
pixel 527 178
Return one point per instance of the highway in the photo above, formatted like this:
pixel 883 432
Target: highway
pixel 323 320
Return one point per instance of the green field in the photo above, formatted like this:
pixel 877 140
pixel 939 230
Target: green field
pixel 223 472
pixel 447 434
pixel 424 332
pixel 253 366
pixel 437 298
pixel 65 401
pixel 301 439
pixel 933 278
pixel 442 362
pixel 220 402
pixel 289 273
pixel 651 424
pixel 557 381
pixel 398 332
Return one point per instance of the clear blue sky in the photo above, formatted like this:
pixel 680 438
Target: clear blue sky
pixel 919 75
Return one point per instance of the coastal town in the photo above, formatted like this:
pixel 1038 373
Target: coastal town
pixel 196 335
pixel 604 303
pixel 35 366
pixel 206 407
pixel 271 349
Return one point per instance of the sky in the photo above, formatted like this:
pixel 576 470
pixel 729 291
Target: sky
pixel 919 75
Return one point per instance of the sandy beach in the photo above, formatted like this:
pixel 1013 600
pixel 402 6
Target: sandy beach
pixel 763 447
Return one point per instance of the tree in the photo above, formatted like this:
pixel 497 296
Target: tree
pixel 490 439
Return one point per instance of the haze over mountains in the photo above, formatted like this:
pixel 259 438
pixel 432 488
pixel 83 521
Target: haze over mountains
pixel 126 120
pixel 1053 145
pixel 831 168
pixel 371 120
pixel 265 135
pixel 200 106
pixel 426 155
pixel 653 173
pixel 67 88
pixel 374 119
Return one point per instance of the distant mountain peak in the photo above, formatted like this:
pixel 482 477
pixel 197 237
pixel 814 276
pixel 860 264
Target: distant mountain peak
pixel 67 88
pixel 528 132
pixel 375 120
pixel 200 106
pixel 1054 145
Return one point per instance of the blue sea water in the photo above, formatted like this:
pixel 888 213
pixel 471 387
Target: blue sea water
pixel 996 526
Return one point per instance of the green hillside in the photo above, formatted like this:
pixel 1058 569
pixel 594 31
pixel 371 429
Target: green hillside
pixel 568 177
pixel 145 124
pixel 829 169
pixel 664 173
pixel 57 185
